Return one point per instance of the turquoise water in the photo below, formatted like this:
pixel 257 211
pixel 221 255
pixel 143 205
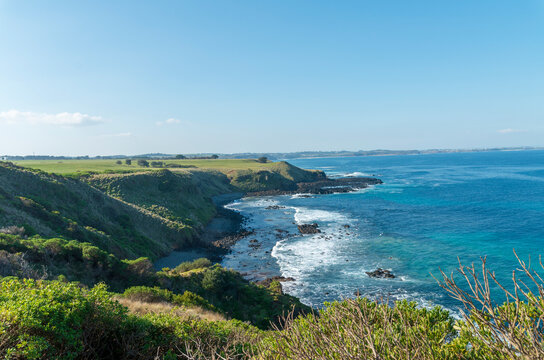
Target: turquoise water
pixel 430 210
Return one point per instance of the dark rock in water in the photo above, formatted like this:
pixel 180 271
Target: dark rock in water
pixel 266 282
pixel 253 241
pixel 309 228
pixel 346 226
pixel 381 274
pixel 274 207
pixel 228 241
pixel 281 231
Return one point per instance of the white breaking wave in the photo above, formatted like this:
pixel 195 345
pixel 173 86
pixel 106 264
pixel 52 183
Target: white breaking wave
pixel 356 174
pixel 304 215
pixel 303 256
pixel 303 195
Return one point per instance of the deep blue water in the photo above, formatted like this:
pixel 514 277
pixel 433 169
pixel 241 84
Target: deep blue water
pixel 430 210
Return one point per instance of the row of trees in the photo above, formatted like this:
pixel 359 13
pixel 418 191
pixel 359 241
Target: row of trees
pixel 146 163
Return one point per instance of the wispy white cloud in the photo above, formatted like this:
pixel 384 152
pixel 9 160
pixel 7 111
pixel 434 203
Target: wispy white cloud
pixel 510 131
pixel 168 122
pixel 60 119
pixel 124 134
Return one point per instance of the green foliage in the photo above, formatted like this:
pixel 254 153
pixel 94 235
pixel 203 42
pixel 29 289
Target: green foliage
pixel 191 265
pixel 234 296
pixel 56 320
pixel 363 329
pixel 143 163
pixel 157 294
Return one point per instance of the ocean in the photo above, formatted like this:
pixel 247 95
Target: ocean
pixel 431 210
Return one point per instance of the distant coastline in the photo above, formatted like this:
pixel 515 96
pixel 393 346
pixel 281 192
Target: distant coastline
pixel 274 156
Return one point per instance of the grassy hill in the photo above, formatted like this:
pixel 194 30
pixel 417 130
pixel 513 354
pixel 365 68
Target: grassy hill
pixel 142 212
pixel 69 167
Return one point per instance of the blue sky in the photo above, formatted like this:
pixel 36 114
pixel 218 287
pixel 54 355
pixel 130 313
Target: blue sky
pixel 128 77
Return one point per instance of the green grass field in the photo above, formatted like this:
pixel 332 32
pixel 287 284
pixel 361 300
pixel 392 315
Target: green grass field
pixel 65 167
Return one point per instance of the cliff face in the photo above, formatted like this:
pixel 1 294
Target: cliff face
pixel 130 215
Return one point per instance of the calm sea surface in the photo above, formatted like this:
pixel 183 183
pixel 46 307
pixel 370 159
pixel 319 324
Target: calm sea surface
pixel 430 210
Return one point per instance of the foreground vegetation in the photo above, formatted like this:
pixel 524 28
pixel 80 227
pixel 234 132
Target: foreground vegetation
pixel 62 320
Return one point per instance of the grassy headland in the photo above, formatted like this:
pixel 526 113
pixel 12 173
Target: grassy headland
pixel 142 212
pixel 64 167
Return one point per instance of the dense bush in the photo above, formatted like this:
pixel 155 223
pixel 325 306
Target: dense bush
pixel 143 163
pixel 195 264
pixel 363 329
pixel 55 320
pixel 234 296
pixel 157 294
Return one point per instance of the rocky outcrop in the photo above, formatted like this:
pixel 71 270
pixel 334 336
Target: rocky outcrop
pixel 274 207
pixel 381 274
pixel 309 228
pixel 228 241
pixel 324 186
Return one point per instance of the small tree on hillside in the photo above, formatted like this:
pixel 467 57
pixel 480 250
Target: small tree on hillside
pixel 118 162
pixel 262 159
pixel 214 156
pixel 128 162
pixel 180 157
pixel 143 163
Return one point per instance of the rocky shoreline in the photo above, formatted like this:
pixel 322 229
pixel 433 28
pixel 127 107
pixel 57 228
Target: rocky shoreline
pixel 220 241
pixel 227 227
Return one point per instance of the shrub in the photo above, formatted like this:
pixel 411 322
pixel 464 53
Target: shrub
pixel 128 162
pixel 513 330
pixel 195 264
pixel 157 164
pixel 143 163
pixel 148 294
pixel 363 329
pixel 214 279
pixel 156 294
pixel 262 159
pixel 118 162
pixel 141 266
pixel 56 320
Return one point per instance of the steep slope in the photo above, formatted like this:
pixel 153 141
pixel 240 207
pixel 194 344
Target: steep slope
pixel 130 214
pixel 53 205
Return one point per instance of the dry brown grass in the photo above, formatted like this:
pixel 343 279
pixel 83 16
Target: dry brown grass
pixel 141 308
